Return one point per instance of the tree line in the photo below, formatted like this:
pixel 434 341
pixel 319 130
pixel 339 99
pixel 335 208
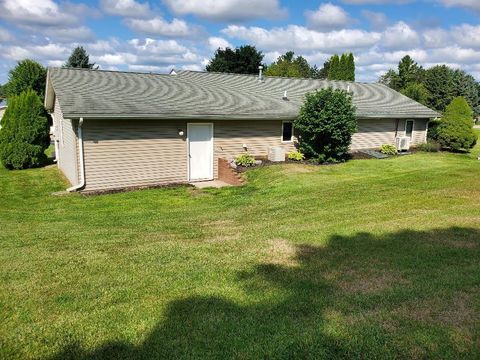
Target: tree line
pixel 246 60
pixel 434 87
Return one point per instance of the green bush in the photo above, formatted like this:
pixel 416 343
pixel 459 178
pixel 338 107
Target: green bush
pixel 24 136
pixel 455 131
pixel 245 160
pixel 429 146
pixel 388 149
pixel 326 124
pixel 295 155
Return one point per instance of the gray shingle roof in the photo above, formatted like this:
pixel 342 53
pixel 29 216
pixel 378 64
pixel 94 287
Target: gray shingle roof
pixel 202 95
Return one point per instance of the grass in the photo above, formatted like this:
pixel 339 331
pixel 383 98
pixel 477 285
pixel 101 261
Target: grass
pixel 368 259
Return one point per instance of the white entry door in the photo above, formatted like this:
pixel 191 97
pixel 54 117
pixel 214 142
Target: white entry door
pixel 200 151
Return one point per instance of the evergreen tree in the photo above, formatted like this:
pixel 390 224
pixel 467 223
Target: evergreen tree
pixel 26 75
pixel 243 60
pixel 343 68
pixel 24 136
pixel 408 72
pixel 439 83
pixel 79 59
pixel 333 71
pixel 350 67
pixel 455 131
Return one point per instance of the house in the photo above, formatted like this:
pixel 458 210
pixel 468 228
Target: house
pixel 124 129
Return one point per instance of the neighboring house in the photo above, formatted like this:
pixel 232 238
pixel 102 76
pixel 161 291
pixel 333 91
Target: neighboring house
pixel 121 129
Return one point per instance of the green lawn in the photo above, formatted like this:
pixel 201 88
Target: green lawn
pixel 368 259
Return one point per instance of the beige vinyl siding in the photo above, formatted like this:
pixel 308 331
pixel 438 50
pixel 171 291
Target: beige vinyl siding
pixel 258 135
pixel 126 153
pixel 67 144
pixel 373 133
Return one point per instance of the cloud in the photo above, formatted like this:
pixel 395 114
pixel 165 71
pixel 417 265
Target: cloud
pixel 69 34
pixel 126 8
pixel 327 16
pixel 468 4
pixel 159 26
pixel 399 36
pixel 36 15
pixel 34 12
pixel 294 37
pixel 215 43
pixel 228 10
pixel 467 35
pixel 377 20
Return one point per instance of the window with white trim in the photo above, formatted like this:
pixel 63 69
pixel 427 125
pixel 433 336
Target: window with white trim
pixel 287 131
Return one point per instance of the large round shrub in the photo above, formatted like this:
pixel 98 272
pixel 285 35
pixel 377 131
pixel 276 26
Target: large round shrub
pixel 24 136
pixel 326 124
pixel 455 131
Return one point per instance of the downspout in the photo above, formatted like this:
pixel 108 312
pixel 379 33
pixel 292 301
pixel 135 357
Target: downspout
pixel 81 184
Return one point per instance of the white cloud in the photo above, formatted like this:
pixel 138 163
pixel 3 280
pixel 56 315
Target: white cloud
pixel 469 4
pixel 215 43
pixel 435 38
pixel 69 34
pixel 327 16
pixel 228 10
pixel 40 13
pixel 377 20
pixel 127 8
pixel 159 26
pixel 294 37
pixel 467 35
pixel 399 36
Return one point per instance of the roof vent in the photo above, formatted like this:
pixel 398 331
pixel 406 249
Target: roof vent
pixel 285 96
pixel 260 75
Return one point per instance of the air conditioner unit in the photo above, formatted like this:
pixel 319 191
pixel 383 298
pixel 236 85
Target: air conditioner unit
pixel 402 143
pixel 276 153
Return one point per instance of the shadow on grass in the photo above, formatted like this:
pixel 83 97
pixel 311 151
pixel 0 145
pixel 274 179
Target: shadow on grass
pixel 404 295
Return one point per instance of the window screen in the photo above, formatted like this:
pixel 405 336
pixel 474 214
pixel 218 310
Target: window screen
pixel 287 131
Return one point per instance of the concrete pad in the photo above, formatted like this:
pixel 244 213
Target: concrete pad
pixel 211 183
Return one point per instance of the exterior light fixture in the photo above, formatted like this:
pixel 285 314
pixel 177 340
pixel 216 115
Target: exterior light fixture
pixel 181 132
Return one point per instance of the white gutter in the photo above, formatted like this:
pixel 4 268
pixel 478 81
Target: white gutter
pixel 81 184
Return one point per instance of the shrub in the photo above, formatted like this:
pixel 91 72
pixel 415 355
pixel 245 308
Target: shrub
pixel 326 124
pixel 388 149
pixel 24 136
pixel 429 146
pixel 245 160
pixel 455 131
pixel 295 155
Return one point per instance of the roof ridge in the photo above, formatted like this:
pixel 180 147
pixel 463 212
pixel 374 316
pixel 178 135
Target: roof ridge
pixel 106 70
pixel 270 76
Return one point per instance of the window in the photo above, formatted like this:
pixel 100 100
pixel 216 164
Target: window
pixel 287 131
pixel 409 128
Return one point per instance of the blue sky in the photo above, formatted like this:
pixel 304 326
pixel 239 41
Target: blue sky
pixel 160 35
